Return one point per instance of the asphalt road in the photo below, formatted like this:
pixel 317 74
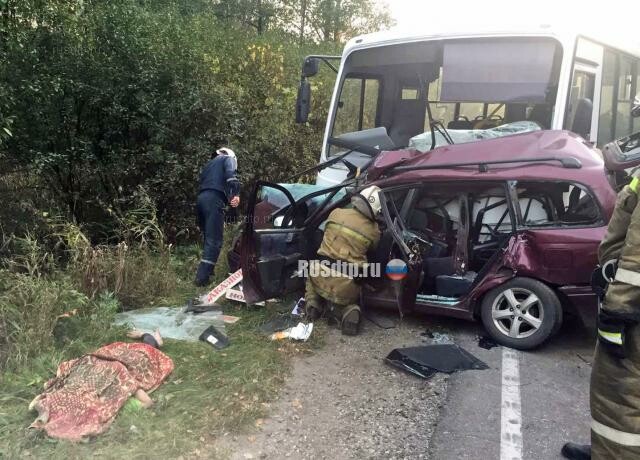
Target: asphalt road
pixel 480 418
pixel 343 402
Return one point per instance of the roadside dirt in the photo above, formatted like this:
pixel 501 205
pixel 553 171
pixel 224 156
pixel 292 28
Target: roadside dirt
pixel 344 402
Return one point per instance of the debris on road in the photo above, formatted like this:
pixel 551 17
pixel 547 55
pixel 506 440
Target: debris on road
pixel 298 308
pixel 437 337
pixel 441 338
pixel 300 332
pixel 229 319
pixel 425 361
pixel 278 323
pixel 214 337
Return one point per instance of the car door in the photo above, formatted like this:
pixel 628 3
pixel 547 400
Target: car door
pixel 622 153
pixel 272 243
pixel 407 251
pixel 279 232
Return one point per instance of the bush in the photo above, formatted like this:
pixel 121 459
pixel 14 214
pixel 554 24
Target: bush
pixel 29 310
pixel 136 276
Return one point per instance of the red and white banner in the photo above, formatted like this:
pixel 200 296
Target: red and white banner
pixel 235 294
pixel 222 288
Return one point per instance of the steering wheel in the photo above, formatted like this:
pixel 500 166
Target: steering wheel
pixel 290 215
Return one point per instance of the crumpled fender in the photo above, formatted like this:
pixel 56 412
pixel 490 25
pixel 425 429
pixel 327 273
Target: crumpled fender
pixel 519 255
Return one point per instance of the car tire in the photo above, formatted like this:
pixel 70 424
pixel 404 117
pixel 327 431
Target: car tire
pixel 522 313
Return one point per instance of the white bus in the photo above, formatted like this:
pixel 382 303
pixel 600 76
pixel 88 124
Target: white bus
pixel 392 89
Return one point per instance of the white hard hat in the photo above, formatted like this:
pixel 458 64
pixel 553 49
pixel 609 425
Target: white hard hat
pixel 226 151
pixel 367 201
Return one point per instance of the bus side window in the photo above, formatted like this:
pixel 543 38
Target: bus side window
pixel 620 82
pixel 581 103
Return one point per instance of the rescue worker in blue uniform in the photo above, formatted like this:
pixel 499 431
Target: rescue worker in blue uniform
pixel 219 185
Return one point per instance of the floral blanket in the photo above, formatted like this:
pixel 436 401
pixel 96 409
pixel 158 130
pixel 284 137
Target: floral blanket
pixel 86 394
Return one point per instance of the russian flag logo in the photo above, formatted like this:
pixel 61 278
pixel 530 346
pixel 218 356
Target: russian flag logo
pixel 396 269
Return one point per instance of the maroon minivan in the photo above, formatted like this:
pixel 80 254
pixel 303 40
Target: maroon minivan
pixel 504 230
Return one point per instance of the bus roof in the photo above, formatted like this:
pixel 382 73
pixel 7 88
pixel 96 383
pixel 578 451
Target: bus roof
pixel 563 34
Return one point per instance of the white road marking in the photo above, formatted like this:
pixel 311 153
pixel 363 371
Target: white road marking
pixel 511 410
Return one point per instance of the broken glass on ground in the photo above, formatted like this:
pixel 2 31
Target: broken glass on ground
pixel 425 361
pixel 173 322
pixel 437 337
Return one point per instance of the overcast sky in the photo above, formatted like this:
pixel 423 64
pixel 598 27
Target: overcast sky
pixel 614 17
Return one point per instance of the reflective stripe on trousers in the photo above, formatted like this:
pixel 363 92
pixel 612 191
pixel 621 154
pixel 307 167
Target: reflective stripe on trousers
pixel 627 276
pixel 619 437
pixel 613 337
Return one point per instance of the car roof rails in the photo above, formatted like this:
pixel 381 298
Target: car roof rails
pixel 483 166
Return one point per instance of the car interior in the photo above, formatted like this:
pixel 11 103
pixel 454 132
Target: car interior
pixel 457 229
pixel 455 255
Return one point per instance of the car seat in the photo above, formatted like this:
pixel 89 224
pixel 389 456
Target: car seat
pixel 461 122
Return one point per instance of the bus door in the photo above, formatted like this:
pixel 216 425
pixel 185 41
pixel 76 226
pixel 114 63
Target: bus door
pixel 584 98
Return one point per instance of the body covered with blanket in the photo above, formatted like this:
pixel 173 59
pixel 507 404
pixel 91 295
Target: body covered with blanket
pixel 86 394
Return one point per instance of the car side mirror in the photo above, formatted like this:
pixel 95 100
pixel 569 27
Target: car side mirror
pixel 635 111
pixel 303 103
pixel 310 67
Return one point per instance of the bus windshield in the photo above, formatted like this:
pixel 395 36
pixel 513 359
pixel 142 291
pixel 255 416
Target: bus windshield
pixel 476 88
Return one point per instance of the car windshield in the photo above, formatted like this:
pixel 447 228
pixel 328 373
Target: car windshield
pixel 476 89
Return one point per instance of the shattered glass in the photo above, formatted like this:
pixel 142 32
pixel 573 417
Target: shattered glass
pixel 173 323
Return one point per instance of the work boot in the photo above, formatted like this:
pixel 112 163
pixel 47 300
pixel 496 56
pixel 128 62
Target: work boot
pixel 203 274
pixel 350 323
pixel 575 451
pixel 312 312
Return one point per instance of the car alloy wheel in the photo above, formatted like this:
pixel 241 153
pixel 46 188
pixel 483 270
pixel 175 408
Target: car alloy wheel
pixel 517 313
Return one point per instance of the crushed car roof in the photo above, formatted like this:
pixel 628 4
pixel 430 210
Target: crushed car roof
pixel 538 144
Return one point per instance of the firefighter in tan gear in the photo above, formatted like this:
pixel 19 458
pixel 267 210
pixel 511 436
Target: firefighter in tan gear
pixel 349 234
pixel 615 377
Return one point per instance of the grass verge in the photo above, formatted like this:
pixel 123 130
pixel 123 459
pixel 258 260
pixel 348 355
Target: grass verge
pixel 209 393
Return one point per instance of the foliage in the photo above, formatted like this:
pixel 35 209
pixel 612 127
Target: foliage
pixel 29 308
pixel 108 110
pixel 98 99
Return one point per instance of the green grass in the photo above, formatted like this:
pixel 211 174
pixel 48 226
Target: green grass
pixel 209 393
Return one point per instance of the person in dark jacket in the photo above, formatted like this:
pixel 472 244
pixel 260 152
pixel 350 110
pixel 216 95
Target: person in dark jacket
pixel 219 185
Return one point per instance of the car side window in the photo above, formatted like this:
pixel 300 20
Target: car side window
pixel 556 204
pixel 270 208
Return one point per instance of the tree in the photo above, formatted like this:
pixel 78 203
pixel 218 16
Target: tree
pixel 99 98
pixel 339 20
